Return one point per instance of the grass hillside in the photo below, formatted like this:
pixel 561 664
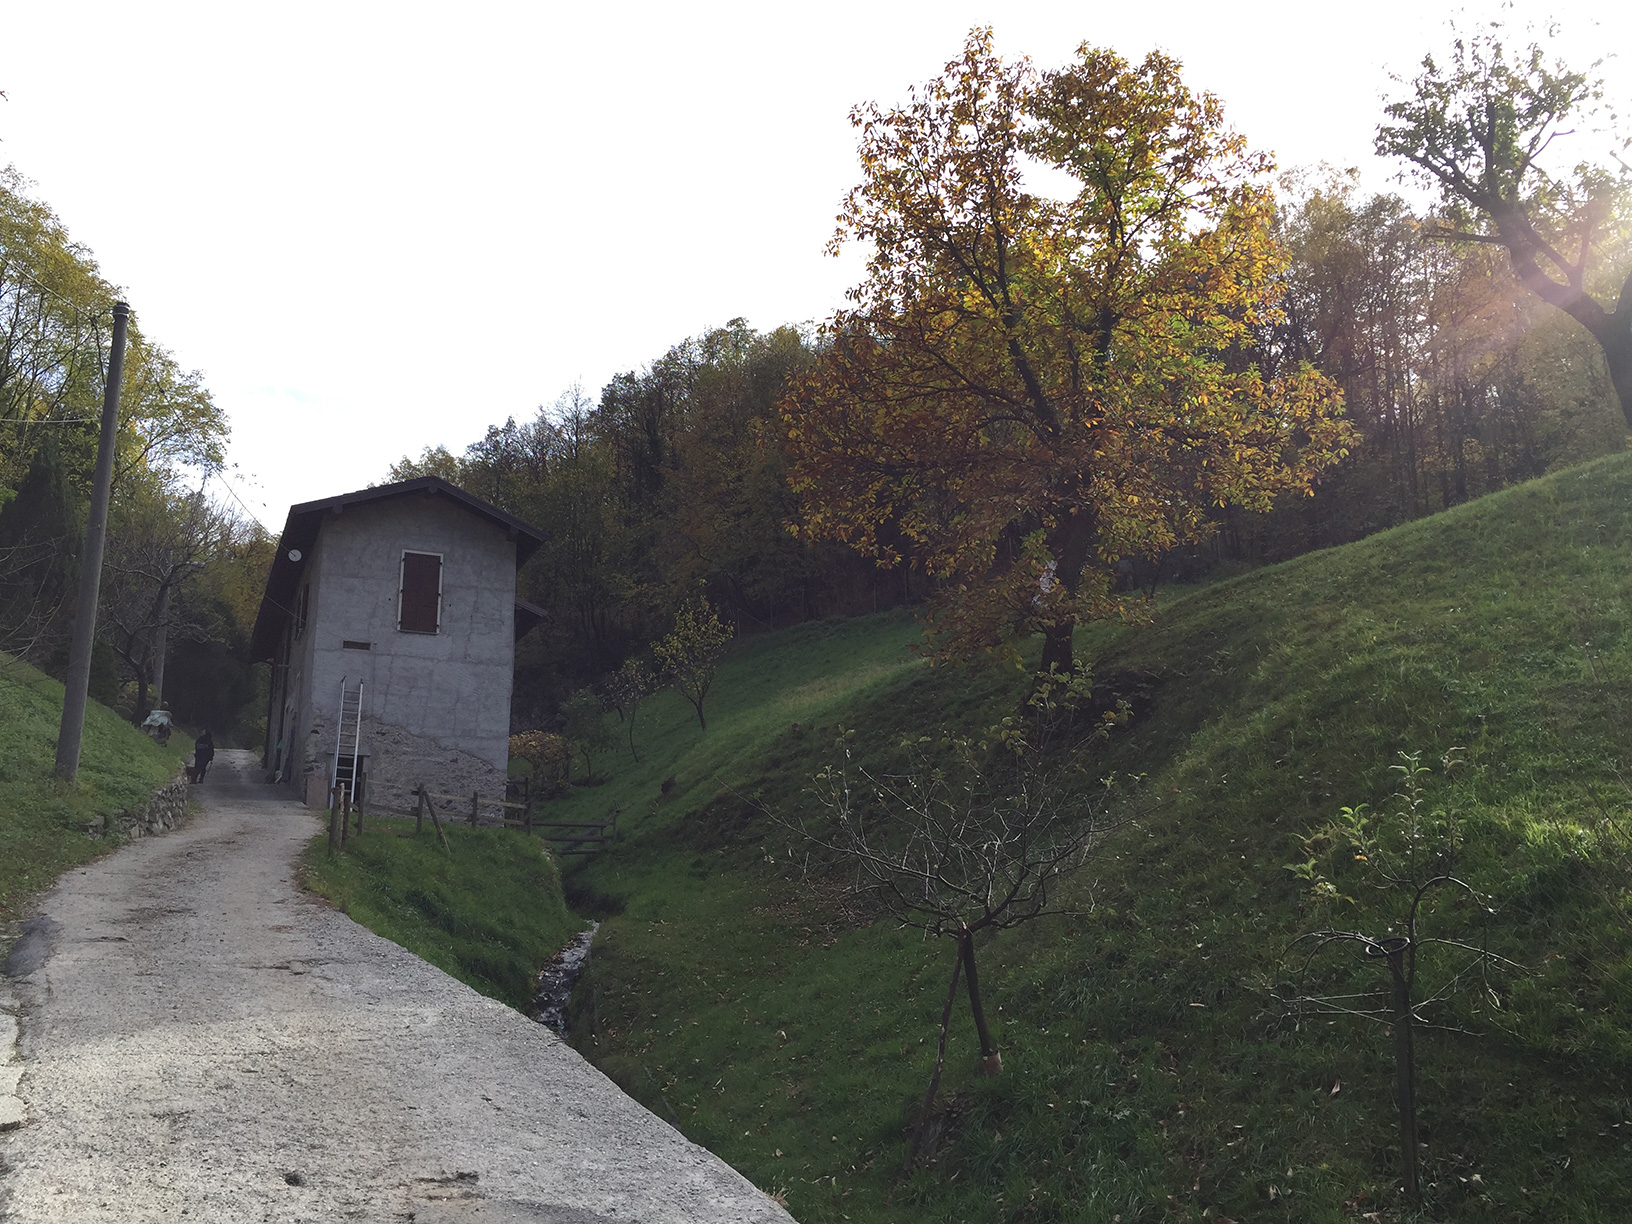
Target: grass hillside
pixel 1153 1069
pixel 46 826
pixel 486 908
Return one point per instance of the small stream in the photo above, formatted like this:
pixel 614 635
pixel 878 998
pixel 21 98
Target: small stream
pixel 558 977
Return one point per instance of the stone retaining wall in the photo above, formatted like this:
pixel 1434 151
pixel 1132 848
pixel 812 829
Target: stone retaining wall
pixel 398 761
pixel 163 812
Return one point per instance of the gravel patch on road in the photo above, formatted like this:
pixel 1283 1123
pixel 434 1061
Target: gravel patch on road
pixel 201 1041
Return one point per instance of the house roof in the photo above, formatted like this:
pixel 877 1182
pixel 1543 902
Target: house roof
pixel 528 615
pixel 300 534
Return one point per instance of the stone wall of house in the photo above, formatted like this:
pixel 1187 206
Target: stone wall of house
pixel 165 810
pixel 397 761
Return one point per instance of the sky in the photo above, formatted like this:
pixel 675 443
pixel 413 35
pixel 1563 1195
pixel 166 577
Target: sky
pixel 380 227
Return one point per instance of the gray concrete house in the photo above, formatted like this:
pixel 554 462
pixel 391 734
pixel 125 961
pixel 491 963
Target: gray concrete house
pixel 390 620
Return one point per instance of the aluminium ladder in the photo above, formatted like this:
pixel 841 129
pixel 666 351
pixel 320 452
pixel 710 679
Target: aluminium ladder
pixel 351 723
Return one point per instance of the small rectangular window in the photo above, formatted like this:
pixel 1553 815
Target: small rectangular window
pixel 348 644
pixel 419 607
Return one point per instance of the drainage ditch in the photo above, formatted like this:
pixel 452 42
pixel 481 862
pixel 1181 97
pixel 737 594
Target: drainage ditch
pixel 556 980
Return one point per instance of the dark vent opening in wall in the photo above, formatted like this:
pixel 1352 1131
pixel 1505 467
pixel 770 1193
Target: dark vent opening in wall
pixel 350 645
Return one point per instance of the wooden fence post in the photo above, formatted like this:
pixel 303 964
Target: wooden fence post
pixel 475 801
pixel 419 808
pixel 357 809
pixel 337 812
pixel 334 825
pixel 437 825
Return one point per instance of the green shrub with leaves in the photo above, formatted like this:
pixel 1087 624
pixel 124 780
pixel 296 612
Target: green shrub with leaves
pixel 692 650
pixel 583 722
pixel 1401 865
pixel 625 690
pixel 547 754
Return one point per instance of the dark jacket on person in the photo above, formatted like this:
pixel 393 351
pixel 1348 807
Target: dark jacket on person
pixel 203 754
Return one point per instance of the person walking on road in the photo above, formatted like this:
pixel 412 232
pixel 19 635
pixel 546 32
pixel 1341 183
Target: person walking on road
pixel 203 754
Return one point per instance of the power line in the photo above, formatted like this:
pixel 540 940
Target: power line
pixel 223 477
pixel 44 288
pixel 83 316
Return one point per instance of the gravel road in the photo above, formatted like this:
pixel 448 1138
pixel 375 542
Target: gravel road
pixel 200 1041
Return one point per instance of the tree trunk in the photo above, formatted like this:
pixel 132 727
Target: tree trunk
pixel 1613 331
pixel 1057 647
pixel 161 639
pixel 1459 435
pixel 1405 1066
pixel 922 1125
pixel 143 706
pixel 991 1062
pixel 1617 346
pixel 1439 444
pixel 1071 543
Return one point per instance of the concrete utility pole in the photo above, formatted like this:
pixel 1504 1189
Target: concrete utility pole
pixel 76 687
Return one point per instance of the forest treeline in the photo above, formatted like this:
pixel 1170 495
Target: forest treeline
pixel 1459 380
pixel 674 480
pixel 1029 404
pixel 181 576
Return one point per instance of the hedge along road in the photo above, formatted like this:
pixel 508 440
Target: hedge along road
pixel 202 1041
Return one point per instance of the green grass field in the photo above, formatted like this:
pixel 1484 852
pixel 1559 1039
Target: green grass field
pixel 486 909
pixel 47 826
pixel 1153 1070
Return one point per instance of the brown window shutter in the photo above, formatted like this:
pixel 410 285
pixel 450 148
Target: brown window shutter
pixel 421 596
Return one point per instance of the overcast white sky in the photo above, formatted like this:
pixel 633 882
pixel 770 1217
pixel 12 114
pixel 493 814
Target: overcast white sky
pixel 376 227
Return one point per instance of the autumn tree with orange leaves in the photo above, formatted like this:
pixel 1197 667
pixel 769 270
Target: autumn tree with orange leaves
pixel 1031 384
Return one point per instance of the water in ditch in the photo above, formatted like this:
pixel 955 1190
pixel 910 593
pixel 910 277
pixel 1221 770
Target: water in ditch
pixel 558 977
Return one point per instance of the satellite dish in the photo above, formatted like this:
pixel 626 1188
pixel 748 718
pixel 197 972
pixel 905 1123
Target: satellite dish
pixel 294 554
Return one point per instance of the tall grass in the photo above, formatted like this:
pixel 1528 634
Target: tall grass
pixel 46 825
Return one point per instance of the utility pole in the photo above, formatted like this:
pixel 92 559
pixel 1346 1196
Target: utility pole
pixel 161 635
pixel 76 687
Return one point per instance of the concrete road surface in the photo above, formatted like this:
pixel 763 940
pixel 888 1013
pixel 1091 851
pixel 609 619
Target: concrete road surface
pixel 202 1042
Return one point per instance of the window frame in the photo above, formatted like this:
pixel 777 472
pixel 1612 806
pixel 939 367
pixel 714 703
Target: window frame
pixel 402 587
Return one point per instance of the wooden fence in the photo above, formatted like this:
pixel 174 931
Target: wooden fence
pixel 564 837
